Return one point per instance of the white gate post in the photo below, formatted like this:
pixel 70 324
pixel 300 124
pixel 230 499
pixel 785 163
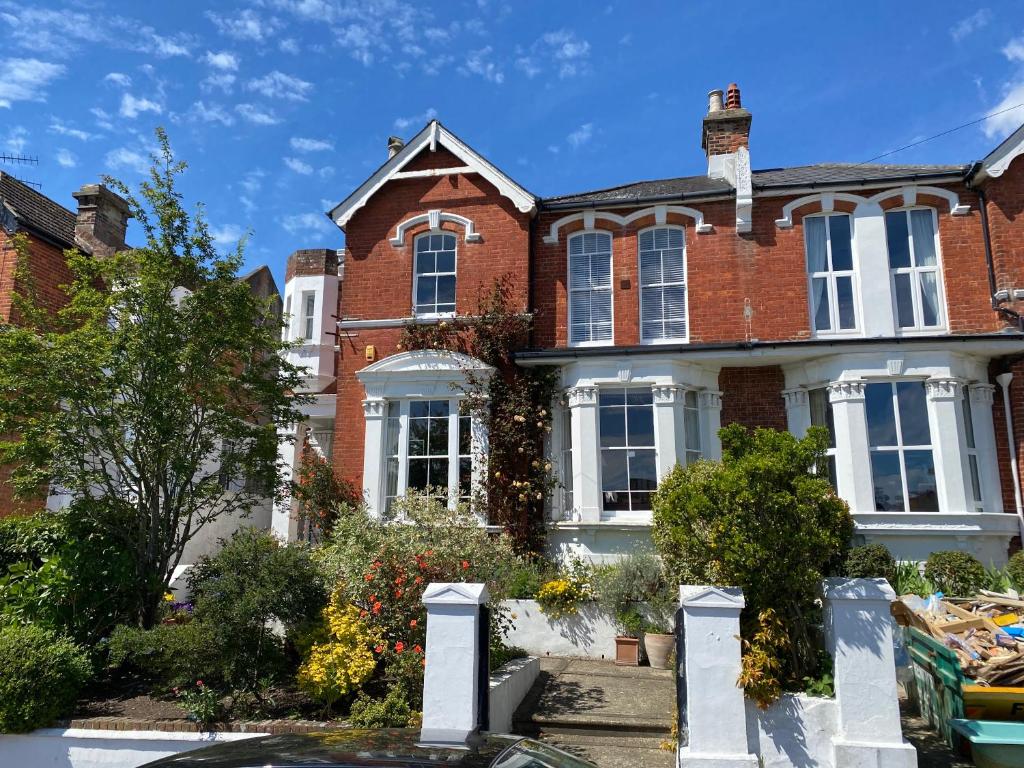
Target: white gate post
pixel 716 712
pixel 860 639
pixel 450 680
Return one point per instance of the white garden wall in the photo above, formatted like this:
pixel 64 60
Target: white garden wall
pixel 509 686
pixel 795 731
pixel 589 634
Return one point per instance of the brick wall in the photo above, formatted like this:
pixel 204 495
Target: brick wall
pixel 753 397
pixel 1005 208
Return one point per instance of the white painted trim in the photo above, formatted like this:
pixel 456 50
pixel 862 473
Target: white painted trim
pixel 658 211
pixel 827 200
pixel 430 172
pixel 432 135
pixel 434 219
pixel 910 193
pixel 999 159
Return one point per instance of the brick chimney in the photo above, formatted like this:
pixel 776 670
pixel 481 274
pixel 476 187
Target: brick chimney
pixel 101 221
pixel 726 128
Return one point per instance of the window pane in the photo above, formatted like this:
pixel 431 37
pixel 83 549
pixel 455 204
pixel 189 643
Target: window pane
pixel 438 437
pixel 639 396
pixel 446 290
pixel 465 477
pixel 821 412
pixel 652 312
pixel 449 243
pixel 417 474
pixel 422 244
pixel 439 473
pixel 904 300
pixel 880 415
pixel 972 461
pixel 613 427
pixel 601 270
pixel 438 408
pixel 921 482
pixel 650 267
pixel 819 304
pixel 426 292
pixel 612 397
pixel 418 437
pixel 641 426
pixel 640 500
pixel 419 408
pixel 643 475
pixel 424 261
pixel 839 239
pixel 965 404
pixel 465 435
pixel 436 242
pixel 613 471
pixel 885 472
pixel 815 238
pixel 446 261
pixel 929 298
pixel 691 426
pixel 896 238
pixel 673 265
pixel 924 238
pixel 844 302
pixel 579 272
pixel 913 413
pixel 601 307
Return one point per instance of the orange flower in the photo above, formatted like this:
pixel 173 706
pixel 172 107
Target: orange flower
pixel 363 614
pixel 399 646
pixel 418 580
pixel 368 577
pixel 413 623
pixel 465 565
pixel 376 608
pixel 378 649
pixel 398 593
pixel 373 598
pixel 417 648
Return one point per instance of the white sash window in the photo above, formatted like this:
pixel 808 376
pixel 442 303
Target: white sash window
pixel 662 284
pixel 831 279
pixel 590 288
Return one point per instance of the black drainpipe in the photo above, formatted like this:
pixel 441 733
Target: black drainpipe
pixel 1006 312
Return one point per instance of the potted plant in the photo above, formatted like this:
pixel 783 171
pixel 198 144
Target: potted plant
pixel 629 624
pixel 659 642
pixel 637 595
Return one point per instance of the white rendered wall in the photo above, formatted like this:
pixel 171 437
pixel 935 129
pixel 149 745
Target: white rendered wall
pixel 509 686
pixel 588 634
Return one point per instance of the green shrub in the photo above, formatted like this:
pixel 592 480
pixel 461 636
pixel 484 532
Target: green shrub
pixel 169 655
pixel 1015 570
pixel 764 520
pixel 907 580
pixel 870 561
pixel 955 573
pixel 29 539
pixel 524 578
pixel 393 711
pixel 239 592
pixel 635 580
pixel 41 674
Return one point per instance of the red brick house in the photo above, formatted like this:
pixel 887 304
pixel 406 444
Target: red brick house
pixel 878 300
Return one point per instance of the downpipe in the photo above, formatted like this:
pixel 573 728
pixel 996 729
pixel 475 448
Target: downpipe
pixel 1004 380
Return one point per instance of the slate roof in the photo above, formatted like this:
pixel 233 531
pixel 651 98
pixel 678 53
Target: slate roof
pixel 35 211
pixel 822 174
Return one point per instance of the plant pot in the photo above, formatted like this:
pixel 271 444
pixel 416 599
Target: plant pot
pixel 659 649
pixel 627 651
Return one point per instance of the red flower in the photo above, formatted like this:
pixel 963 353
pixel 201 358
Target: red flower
pixel 199 683
pixel 363 614
pixel 399 646
pixel 417 648
pixel 398 593
pixel 418 580
pixel 368 577
pixel 375 565
pixel 373 598
pixel 465 565
pixel 376 608
pixel 413 623
pixel 378 649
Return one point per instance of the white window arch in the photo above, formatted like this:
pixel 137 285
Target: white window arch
pixel 590 287
pixel 434 268
pixel 662 268
pixel 831 278
pixel 912 237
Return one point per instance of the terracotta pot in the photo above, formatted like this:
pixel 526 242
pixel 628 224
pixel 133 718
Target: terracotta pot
pixel 659 649
pixel 627 651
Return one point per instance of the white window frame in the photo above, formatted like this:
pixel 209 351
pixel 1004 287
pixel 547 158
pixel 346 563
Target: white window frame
pixel 900 449
pixel 286 330
pixel 691 410
pixel 569 291
pixel 624 514
pixel 830 276
pixel 972 469
pixel 685 285
pixel 307 321
pixel 416 275
pixel 915 275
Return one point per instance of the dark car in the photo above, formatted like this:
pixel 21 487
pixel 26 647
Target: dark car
pixel 400 748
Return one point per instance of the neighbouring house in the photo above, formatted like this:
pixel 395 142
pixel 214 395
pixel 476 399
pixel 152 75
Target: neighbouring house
pixel 879 301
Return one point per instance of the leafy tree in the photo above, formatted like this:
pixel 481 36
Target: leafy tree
pixel 764 520
pixel 156 382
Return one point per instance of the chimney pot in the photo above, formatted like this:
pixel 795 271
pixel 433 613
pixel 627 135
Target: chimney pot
pixel 395 145
pixel 732 97
pixel 714 101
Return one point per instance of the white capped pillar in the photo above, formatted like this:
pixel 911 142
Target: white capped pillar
pixel 853 470
pixel 798 411
pixel 710 423
pixel 668 427
pixel 586 453
pixel 947 432
pixel 375 413
pixel 980 403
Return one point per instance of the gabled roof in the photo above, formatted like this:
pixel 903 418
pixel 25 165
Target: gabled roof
pixel 998 160
pixel 433 135
pixel 36 212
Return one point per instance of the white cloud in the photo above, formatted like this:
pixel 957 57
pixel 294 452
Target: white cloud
pixel 1014 50
pixel 257 115
pixel 289 45
pixel 278 85
pixel 968 26
pixel 1002 125
pixel 401 123
pixel 310 145
pixel 326 172
pixel 561 51
pixel 298 166
pixel 16 140
pixel 118 78
pixel 478 63
pixel 246 25
pixel 123 158
pixel 210 113
pixel 529 66
pixel 581 135
pixel 57 126
pixel 148 41
pixel 132 107
pixel 223 81
pixel 221 60
pixel 308 224
pixel 102 118
pixel 26 79
pixel 65 159
pixel 226 236
pixel 251 185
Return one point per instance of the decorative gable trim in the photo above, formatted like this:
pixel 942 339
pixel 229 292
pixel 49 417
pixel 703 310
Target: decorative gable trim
pixel 910 197
pixel 433 135
pixel 434 219
pixel 998 160
pixel 691 596
pixel 660 213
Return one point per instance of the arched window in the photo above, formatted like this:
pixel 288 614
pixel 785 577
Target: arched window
pixel 434 281
pixel 912 238
pixel 831 280
pixel 662 284
pixel 590 287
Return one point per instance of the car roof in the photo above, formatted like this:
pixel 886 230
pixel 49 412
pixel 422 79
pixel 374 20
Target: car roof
pixel 400 748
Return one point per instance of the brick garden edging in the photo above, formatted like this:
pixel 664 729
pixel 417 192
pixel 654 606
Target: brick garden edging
pixel 167 725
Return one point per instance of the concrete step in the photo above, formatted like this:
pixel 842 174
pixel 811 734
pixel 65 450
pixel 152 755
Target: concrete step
pixel 592 723
pixel 623 739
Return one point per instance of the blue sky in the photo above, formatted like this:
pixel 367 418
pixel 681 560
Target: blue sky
pixel 282 107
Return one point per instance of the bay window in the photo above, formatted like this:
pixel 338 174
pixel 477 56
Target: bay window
pixel 821 416
pixel 831 278
pixel 691 426
pixel 590 287
pixel 914 268
pixel 900 447
pixel 434 282
pixel 308 314
pixel 971 446
pixel 662 284
pixel 628 465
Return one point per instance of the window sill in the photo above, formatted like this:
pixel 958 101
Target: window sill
pixel 950 523
pixel 584 344
pixel 657 342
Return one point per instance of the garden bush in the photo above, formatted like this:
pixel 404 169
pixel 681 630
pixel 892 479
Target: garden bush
pixel 870 561
pixel 168 655
pixel 41 675
pixel 392 711
pixel 765 520
pixel 1015 570
pixel 637 594
pixel 29 539
pixel 955 573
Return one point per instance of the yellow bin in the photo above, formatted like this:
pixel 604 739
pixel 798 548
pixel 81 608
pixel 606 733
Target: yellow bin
pixel 984 703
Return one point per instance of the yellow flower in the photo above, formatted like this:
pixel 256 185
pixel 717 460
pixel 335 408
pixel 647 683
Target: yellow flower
pixel 168 597
pixel 342 661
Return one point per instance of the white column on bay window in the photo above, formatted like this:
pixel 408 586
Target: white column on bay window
pixel 870 253
pixel 710 423
pixel 985 442
pixel 798 411
pixel 947 444
pixel 586 453
pixel 668 427
pixel 853 470
pixel 374 411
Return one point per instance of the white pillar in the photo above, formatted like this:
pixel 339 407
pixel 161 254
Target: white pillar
pixel 450 679
pixel 853 467
pixel 871 258
pixel 716 711
pixel 586 453
pixel 284 522
pixel 710 423
pixel 860 638
pixel 668 427
pixel 798 411
pixel 980 403
pixel 947 431
pixel 375 413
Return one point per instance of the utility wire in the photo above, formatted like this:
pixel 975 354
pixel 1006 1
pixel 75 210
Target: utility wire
pixel 944 133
